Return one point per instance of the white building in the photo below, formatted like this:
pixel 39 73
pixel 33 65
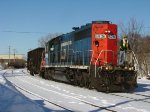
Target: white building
pixel 6 58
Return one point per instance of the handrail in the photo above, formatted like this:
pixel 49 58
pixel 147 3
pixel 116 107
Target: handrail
pixel 136 60
pixel 91 60
pixel 100 55
pixel 73 55
pixel 83 55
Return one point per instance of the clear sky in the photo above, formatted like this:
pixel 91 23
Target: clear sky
pixel 23 22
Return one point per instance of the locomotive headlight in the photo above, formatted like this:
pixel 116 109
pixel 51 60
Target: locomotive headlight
pixel 125 67
pixel 106 68
pixel 106 31
pixel 130 68
pixel 110 67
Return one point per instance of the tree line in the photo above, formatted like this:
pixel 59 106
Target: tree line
pixel 139 43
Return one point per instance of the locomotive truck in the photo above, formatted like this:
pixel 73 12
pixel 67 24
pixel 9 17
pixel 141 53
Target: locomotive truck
pixel 86 57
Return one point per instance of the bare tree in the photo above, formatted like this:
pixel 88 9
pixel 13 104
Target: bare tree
pixel 133 30
pixel 144 55
pixel 139 44
pixel 43 40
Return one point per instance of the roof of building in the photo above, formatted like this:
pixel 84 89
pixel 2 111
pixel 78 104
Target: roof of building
pixel 12 56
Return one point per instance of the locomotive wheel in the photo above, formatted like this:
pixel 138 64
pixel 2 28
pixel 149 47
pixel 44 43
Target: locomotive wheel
pixel 51 74
pixel 42 73
pixel 86 79
pixel 79 80
pixel 70 75
pixel 46 74
pixel 92 83
pixel 32 73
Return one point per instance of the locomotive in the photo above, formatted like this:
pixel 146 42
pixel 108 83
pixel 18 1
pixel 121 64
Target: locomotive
pixel 86 57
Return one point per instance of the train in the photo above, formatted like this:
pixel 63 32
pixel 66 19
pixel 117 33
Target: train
pixel 34 59
pixel 86 57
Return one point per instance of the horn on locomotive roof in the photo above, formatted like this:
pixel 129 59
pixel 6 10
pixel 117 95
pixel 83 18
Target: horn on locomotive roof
pixel 101 22
pixel 75 28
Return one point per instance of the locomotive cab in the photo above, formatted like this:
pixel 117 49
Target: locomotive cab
pixel 107 73
pixel 104 43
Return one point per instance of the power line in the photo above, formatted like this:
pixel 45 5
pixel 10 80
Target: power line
pixel 9 54
pixel 146 27
pixel 10 31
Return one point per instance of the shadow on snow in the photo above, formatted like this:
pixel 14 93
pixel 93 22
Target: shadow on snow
pixel 8 99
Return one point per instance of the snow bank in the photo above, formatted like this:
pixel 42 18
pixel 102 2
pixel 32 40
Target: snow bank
pixel 13 101
pixel 1 68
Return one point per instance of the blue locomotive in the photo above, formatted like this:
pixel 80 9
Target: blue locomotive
pixel 87 57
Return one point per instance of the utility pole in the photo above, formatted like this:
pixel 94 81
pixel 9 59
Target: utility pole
pixel 14 55
pixel 9 56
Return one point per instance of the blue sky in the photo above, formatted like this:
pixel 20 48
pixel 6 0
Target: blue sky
pixel 40 17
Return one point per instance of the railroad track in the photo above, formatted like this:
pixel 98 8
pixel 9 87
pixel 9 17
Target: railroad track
pixel 148 97
pixel 140 94
pixel 135 99
pixel 56 104
pixel 34 94
pixel 70 110
pixel 142 100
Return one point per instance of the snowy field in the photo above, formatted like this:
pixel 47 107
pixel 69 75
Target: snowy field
pixel 21 92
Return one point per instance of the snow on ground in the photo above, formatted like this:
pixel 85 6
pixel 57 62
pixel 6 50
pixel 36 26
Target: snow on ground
pixel 13 99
